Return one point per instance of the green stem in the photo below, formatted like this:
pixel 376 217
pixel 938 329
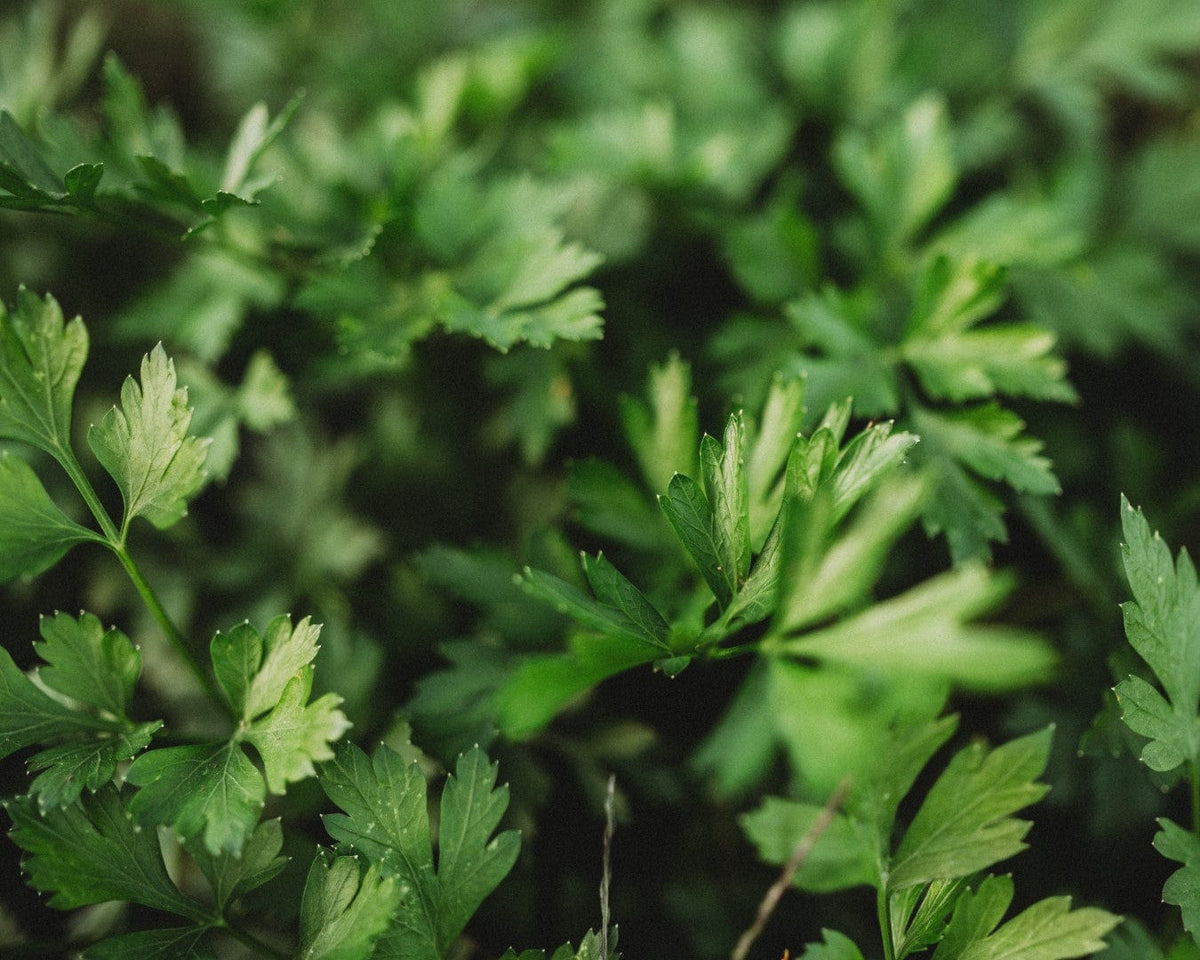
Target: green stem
pixel 116 541
pixel 883 909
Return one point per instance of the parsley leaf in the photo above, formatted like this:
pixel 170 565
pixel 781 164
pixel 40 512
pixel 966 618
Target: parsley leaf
pixel 1182 888
pixel 92 851
pixel 386 819
pixel 70 768
pixel 34 532
pixel 41 358
pixel 211 789
pixel 232 875
pixel 88 663
pixel 1048 930
pixel 173 943
pixel 145 446
pixel 965 822
pixel 344 910
pixel 28 715
pixel 1161 623
pixel 295 733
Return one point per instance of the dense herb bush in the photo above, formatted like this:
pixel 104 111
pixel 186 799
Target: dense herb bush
pixel 454 453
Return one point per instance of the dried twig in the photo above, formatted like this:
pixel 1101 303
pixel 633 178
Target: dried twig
pixel 606 874
pixel 795 862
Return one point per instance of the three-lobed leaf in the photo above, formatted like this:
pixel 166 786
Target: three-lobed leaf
pixel 41 358
pixel 385 818
pixel 88 663
pixel 145 446
pixel 1162 623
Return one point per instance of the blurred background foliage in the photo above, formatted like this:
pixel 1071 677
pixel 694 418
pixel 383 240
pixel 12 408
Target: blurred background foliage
pixel 409 255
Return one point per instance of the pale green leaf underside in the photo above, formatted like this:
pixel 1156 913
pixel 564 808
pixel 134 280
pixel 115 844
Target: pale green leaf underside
pixel 145 446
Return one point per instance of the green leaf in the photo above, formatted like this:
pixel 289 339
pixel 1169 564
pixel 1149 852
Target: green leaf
pixel 926 630
pixel 919 914
pixel 254 670
pixel 34 532
pixel 839 859
pixel 88 663
pixel 296 733
pixel 1174 735
pixel 965 823
pixel 1049 930
pixel 1161 623
pixel 174 943
pixel 230 875
pixel 665 432
pixel 70 768
pixel 773 438
pixel 28 716
pixel 612 588
pixel 343 910
pixel 1182 888
pixel 41 358
pixel 608 619
pixel 145 446
pixel 21 156
pixel 836 946
pixel 210 789
pixel 92 851
pixel 976 914
pixel 865 461
pixel 386 820
pixel 723 469
pixel 904 172
pixel 846 570
pixel 690 516
pixel 471 863
pixel 988 440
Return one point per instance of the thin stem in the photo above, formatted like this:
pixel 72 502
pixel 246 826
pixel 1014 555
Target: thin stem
pixel 884 912
pixel 771 898
pixel 66 457
pixel 606 872
pixel 116 541
pixel 165 623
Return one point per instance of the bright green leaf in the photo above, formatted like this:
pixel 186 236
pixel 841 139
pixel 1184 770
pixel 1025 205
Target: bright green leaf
pixel 839 859
pixel 926 630
pixel 40 362
pixel 665 432
pixel 836 946
pixel 1049 930
pixel 723 469
pixel 612 588
pixel 145 446
pixel 976 914
pixel 92 851
pixel 965 823
pixel 1174 735
pixel 296 733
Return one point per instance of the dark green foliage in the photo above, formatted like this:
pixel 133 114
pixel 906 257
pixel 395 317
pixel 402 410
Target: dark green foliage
pixel 410 319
